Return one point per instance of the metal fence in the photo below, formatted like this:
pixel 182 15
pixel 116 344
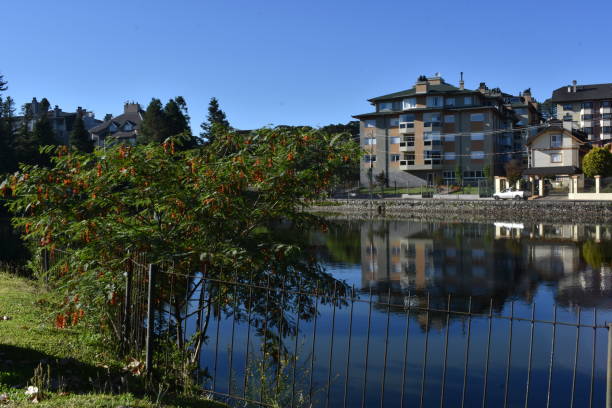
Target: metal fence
pixel 273 346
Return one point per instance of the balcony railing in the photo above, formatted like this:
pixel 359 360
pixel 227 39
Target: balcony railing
pixel 406 127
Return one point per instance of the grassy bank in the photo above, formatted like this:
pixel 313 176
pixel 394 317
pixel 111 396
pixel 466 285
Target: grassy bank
pixel 81 368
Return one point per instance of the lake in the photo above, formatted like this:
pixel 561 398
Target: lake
pixel 504 268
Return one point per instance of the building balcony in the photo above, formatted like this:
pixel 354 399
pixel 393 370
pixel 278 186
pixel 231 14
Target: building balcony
pixel 410 165
pixel 431 125
pixel 406 164
pixel 605 122
pixel 406 146
pixel 586 111
pixel 586 123
pixel 605 110
pixel 406 127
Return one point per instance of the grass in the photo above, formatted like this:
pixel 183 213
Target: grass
pixel 75 355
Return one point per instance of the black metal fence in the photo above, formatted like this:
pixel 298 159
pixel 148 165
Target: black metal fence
pixel 272 346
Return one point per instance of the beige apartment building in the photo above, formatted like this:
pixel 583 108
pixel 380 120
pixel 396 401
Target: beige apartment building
pixel 587 108
pixel 425 134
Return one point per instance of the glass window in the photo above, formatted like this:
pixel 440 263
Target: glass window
pixel 449 137
pixel 568 106
pixel 448 174
pixel 395 140
pixel 369 158
pixel 449 156
pixel 370 141
pixel 385 106
pixel 450 101
pixel 431 138
pixel 467 100
pixel 476 117
pixel 606 129
pixel 588 130
pixel 434 101
pixel 370 123
pixel 409 103
pixel 476 136
pixel 606 104
pixel 449 118
pixel 407 117
pixel 477 155
pixel 587 105
pixel 393 122
pixel 556 158
pixel 606 116
pixel 588 116
pixel 395 158
pixel 555 140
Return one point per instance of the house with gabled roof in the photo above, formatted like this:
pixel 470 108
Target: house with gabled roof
pixel 119 129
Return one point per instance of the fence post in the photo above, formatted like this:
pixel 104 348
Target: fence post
pixel 609 371
pixel 149 356
pixel 127 305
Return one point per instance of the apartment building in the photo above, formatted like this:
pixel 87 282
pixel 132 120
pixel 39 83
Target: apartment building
pixel 119 129
pixel 587 108
pixel 425 134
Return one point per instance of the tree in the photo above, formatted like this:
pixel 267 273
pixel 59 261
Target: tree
pixel 182 208
pixel 3 84
pixel 458 174
pixel 216 122
pixel 154 126
pixel 382 180
pixel 514 171
pixel 80 138
pixel 597 162
pixel 177 122
pixel 7 155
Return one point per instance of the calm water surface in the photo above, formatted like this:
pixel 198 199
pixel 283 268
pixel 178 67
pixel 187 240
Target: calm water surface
pixel 502 268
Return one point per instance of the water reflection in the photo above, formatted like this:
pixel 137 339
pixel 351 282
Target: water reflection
pixel 499 261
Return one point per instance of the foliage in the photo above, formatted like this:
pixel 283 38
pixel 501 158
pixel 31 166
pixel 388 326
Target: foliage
pixel 458 174
pixel 514 171
pixel 597 254
pixel 216 122
pixel 181 208
pixel 487 172
pixel 79 137
pixel 597 162
pixel 159 123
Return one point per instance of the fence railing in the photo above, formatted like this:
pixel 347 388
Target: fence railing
pixel 276 346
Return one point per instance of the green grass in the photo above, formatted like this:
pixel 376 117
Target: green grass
pixel 76 355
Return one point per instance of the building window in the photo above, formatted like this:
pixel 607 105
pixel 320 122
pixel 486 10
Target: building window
pixel 395 158
pixel 477 155
pixel 450 102
pixel 555 140
pixel 435 101
pixel 430 138
pixel 449 156
pixel 588 116
pixel 606 104
pixel 588 130
pixel 410 159
pixel 449 118
pixel 407 117
pixel 587 105
pixel 556 158
pixel 370 123
pixel 567 117
pixel 476 136
pixel 395 140
pixel 449 137
pixel 432 157
pixel 477 117
pixel 370 141
pixel 473 174
pixel 606 116
pixel 385 106
pixel 467 100
pixel 369 158
pixel 448 175
pixel 431 119
pixel 409 140
pixel 568 106
pixel 393 122
pixel 606 129
pixel 409 103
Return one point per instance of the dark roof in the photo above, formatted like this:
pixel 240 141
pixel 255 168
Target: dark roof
pixel 551 171
pixel 583 93
pixel 579 136
pixel 123 135
pixel 431 89
pixel 133 117
pixel 445 108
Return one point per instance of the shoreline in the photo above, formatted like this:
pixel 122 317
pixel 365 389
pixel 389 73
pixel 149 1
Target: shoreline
pixel 549 211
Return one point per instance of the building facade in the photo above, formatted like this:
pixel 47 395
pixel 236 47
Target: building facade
pixel 119 129
pixel 587 108
pixel 428 133
pixel 61 122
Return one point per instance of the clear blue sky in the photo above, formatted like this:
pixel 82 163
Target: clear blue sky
pixel 292 62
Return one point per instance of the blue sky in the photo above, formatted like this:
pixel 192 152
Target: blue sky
pixel 292 62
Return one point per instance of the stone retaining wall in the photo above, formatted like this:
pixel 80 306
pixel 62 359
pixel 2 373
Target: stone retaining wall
pixel 536 210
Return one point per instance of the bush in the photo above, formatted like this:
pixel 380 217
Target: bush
pixel 597 162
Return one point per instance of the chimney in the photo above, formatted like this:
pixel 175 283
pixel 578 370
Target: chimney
pixel 461 83
pixel 574 83
pixel 108 116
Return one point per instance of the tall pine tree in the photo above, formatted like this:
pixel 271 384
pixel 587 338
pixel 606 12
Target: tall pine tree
pixel 153 128
pixel 7 155
pixel 177 122
pixel 216 122
pixel 79 137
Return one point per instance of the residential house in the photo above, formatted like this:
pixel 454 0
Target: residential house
pixel 587 108
pixel 61 122
pixel 119 129
pixel 425 134
pixel 556 153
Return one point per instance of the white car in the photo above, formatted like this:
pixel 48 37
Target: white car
pixel 511 194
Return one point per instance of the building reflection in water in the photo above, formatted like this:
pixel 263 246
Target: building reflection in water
pixel 487 262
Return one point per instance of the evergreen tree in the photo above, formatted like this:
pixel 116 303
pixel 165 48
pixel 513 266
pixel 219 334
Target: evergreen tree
pixel 216 122
pixel 43 135
pixel 7 155
pixel 177 121
pixel 153 128
pixel 79 137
